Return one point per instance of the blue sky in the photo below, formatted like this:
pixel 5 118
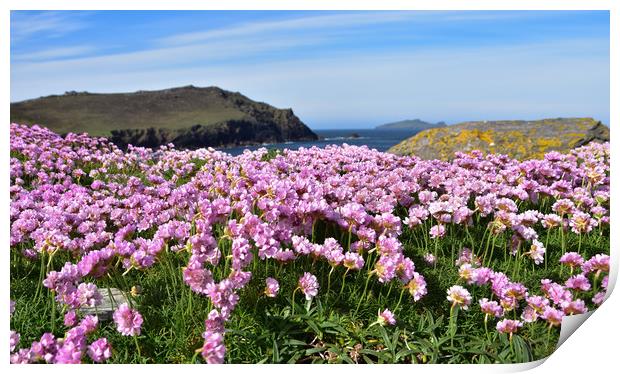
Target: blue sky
pixel 335 69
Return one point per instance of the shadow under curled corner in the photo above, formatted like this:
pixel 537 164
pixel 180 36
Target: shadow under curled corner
pixel 570 324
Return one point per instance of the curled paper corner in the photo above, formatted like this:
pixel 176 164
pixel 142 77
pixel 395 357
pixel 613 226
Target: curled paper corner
pixel 525 366
pixel 570 324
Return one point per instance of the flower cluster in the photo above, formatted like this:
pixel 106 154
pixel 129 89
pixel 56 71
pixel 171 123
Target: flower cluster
pixel 75 194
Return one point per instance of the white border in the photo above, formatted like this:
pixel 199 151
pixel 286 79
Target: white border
pixel 593 347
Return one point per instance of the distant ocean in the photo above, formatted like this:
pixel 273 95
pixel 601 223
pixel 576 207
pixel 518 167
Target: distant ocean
pixel 380 140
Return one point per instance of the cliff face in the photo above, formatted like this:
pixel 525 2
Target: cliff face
pixel 518 139
pixel 186 116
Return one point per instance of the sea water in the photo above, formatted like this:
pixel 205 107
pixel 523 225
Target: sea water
pixel 380 140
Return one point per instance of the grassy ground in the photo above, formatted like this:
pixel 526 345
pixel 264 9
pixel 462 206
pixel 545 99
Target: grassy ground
pixel 329 329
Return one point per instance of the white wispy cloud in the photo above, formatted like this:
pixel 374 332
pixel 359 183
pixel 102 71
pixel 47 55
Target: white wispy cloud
pixel 53 53
pixel 45 24
pixel 329 22
pixel 308 23
pixel 172 57
pixel 549 79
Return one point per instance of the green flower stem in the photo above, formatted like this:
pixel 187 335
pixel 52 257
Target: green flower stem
pixel 562 236
pixel 349 242
pixel 400 298
pixel 454 312
pixel 486 327
pixel 363 294
pixel 343 281
pixel 390 290
pixel 41 275
pixel 329 280
pixel 471 239
pixel 135 339
pixel 293 300
pixel 195 356
pixel 53 320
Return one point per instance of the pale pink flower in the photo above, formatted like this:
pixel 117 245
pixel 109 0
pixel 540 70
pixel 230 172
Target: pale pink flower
pixel 552 316
pixel 309 285
pixel 459 296
pixel 213 349
pixel 508 326
pixel 438 231
pixel 430 259
pixel 417 286
pixel 491 308
pixel 572 259
pixel 100 350
pixel 128 321
pixel 578 282
pixel 272 287
pixel 386 318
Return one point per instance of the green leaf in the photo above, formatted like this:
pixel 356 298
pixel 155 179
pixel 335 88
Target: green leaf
pixel 276 352
pixel 315 328
pixel 312 351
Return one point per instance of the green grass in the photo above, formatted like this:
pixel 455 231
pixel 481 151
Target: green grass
pixel 270 330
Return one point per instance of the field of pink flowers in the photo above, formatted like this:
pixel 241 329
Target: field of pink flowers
pixel 340 255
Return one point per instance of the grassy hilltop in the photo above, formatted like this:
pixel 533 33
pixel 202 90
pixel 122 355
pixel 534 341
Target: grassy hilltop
pixel 188 116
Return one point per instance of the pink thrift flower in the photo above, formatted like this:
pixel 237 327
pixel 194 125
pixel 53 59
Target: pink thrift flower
pixel 88 295
pixel 536 252
pixel 214 322
pixel 385 268
pixel 459 296
pixel 467 257
pixel 417 286
pixel 491 308
pixel 466 273
pixel 353 261
pixel 309 285
pixel 508 326
pixel 578 282
pixel 89 323
pixel 581 223
pixel 599 298
pixel 430 259
pixel 70 318
pixel 213 349
pixel 575 307
pixel 405 269
pixel 100 350
pixel 21 357
pixel 598 263
pixel 537 303
pixel 128 321
pixel 272 287
pixel 572 259
pixel 14 340
pixel 529 314
pixel 481 276
pixel 552 316
pixel 386 318
pixel 438 231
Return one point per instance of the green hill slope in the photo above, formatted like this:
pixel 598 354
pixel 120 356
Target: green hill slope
pixel 190 116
